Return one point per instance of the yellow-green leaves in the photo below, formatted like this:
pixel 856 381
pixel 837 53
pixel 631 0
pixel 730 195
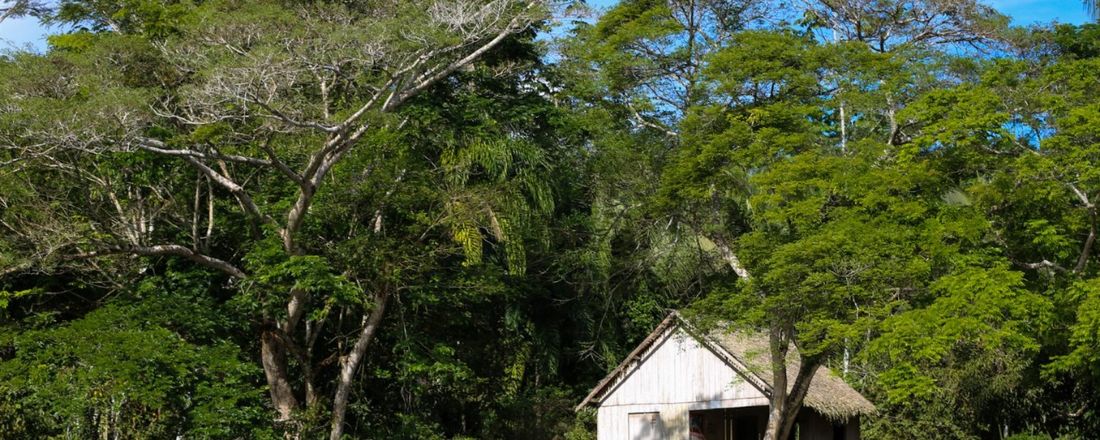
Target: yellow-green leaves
pixel 1083 357
pixel 499 193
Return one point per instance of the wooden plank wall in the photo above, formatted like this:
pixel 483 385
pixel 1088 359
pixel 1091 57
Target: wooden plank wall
pixel 676 376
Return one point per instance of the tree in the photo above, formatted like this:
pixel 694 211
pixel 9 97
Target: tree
pixel 748 106
pixel 885 25
pixel 418 224
pixel 271 94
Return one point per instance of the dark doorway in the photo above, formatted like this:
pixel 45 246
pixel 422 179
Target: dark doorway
pixel 729 423
pixel 839 431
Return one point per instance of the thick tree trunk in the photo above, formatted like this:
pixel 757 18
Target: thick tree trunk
pixel 785 401
pixel 795 397
pixel 775 416
pixel 350 363
pixel 273 357
pixel 777 348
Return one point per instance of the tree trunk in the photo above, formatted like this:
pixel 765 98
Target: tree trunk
pixel 796 396
pixel 273 357
pixel 786 402
pixel 350 363
pixel 727 253
pixel 777 348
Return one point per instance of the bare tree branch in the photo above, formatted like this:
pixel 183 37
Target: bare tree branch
pixel 518 23
pixel 237 190
pixel 645 122
pixel 155 146
pixel 1045 264
pixel 165 250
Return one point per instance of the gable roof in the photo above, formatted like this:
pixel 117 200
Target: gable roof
pixel 747 354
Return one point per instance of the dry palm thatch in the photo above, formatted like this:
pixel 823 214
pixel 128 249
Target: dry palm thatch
pixel 829 395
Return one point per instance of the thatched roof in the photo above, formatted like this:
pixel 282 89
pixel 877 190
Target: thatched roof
pixel 747 353
pixel 828 394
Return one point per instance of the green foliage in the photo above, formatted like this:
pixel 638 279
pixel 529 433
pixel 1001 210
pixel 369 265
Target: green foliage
pixel 150 17
pixel 974 343
pixel 1077 41
pixel 274 271
pixel 917 220
pixel 500 187
pixel 151 366
pixel 1083 340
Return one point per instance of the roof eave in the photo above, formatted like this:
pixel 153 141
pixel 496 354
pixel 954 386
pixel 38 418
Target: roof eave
pixel 595 396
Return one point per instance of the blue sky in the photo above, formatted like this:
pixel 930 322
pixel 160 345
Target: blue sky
pixel 24 33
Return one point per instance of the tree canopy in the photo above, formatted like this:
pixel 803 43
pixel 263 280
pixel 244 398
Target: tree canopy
pixel 450 218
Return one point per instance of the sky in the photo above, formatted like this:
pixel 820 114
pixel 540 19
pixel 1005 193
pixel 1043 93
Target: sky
pixel 26 33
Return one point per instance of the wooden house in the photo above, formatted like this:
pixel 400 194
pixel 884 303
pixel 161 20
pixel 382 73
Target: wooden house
pixel 680 384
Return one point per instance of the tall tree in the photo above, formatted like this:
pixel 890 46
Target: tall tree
pixel 752 103
pixel 240 93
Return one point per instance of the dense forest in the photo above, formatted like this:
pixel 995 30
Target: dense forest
pixel 237 219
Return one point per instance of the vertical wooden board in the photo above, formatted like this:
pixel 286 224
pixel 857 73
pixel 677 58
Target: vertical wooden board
pixel 605 424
